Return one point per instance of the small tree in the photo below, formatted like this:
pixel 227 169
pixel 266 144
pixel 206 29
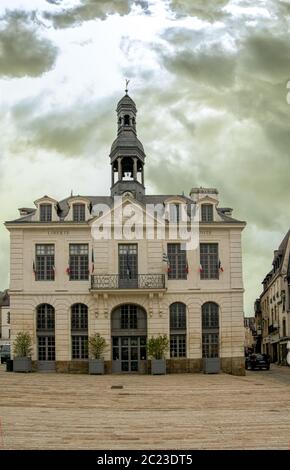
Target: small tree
pixel 22 345
pixel 97 346
pixel 158 346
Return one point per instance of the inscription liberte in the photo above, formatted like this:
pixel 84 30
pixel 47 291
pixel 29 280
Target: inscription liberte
pixel 58 232
pixel 66 232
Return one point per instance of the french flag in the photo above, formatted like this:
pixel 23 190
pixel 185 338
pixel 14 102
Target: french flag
pixel 93 262
pixel 221 267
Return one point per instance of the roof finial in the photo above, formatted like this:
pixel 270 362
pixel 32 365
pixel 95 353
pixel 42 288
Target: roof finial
pixel 127 83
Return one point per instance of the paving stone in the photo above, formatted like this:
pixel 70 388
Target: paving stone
pixel 182 411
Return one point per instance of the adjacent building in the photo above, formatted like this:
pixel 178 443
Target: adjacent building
pixel 4 318
pixel 80 266
pixel 250 334
pixel 272 308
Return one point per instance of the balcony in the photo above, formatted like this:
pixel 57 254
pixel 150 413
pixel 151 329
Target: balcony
pixel 115 281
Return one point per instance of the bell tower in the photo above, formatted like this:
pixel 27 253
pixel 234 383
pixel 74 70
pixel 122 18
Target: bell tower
pixel 127 154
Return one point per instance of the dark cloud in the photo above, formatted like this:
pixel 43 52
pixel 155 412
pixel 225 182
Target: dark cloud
pixel 226 113
pixel 211 65
pixel 80 130
pixel 23 52
pixel 208 10
pixel 267 55
pixel 90 10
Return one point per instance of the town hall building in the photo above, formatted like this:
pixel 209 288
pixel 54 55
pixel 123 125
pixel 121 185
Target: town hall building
pixel 75 272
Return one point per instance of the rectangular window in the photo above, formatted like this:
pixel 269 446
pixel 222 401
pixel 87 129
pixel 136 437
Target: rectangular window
pixel 8 318
pixel 79 347
pixel 177 261
pixel 44 266
pixel 177 345
pixel 79 212
pixel 207 213
pixel 45 212
pixel 78 262
pixel 209 261
pixel 128 261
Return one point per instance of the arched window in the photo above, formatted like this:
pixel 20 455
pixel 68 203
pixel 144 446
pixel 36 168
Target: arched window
pixel 79 331
pixel 126 120
pixel 129 319
pixel 177 330
pixel 45 317
pixel 210 330
pixel 45 331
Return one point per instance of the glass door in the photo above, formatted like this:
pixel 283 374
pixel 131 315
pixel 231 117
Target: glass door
pixel 128 266
pixel 129 351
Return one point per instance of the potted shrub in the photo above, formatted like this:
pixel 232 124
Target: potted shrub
pixel 97 347
pixel 157 348
pixel 22 349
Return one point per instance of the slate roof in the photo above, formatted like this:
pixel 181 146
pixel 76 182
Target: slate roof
pixel 126 101
pixel 126 139
pixel 280 253
pixel 108 200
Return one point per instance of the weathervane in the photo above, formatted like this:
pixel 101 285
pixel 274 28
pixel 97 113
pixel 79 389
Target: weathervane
pixel 127 83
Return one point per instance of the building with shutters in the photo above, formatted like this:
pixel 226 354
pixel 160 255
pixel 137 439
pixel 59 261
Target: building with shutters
pixel 71 276
pixel 272 308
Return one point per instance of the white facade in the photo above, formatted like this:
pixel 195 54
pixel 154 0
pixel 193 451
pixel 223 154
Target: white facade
pixel 154 291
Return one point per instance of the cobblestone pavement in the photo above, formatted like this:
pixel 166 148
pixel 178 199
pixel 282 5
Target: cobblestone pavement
pixel 190 411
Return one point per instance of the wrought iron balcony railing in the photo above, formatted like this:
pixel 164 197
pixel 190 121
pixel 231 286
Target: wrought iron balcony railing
pixel 115 281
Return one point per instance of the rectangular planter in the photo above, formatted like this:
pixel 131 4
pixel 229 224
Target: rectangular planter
pixel 96 366
pixel 211 365
pixel 158 366
pixel 22 364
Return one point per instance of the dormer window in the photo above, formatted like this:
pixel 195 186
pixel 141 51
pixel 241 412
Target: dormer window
pixel 45 212
pixel 207 213
pixel 126 120
pixel 174 213
pixel 79 212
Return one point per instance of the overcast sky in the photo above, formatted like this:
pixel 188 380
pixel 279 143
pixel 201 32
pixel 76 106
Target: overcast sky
pixel 210 82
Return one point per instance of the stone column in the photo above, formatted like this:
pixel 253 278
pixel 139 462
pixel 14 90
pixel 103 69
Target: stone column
pixel 135 168
pixel 112 179
pixel 119 169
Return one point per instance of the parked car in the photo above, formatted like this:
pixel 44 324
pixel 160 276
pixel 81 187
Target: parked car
pixel 257 361
pixel 5 353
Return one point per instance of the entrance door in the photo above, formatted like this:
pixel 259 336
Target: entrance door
pixel 128 352
pixel 210 338
pixel 128 266
pixel 46 337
